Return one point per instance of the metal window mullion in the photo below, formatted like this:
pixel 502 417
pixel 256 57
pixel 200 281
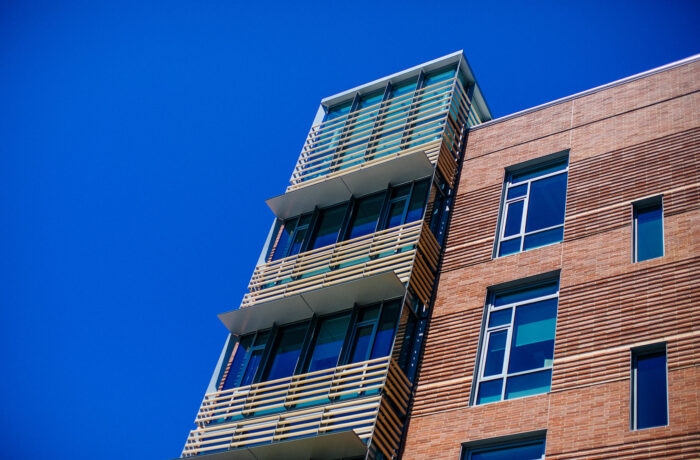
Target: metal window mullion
pixel 506 357
pixel 540 230
pixel 543 176
pixel 526 208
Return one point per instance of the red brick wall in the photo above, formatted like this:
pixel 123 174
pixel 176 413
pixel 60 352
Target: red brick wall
pixel 634 140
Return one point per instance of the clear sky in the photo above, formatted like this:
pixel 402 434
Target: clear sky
pixel 139 140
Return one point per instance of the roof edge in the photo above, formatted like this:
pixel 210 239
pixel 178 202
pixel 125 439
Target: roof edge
pixel 612 84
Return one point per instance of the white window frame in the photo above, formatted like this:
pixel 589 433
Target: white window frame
pixel 486 337
pixel 526 199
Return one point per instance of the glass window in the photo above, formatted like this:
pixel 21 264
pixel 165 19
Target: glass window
pixel 518 343
pixel 650 388
pixel 328 226
pixel 648 230
pixel 245 361
pixel 373 332
pixel 533 210
pixel 327 343
pixel 285 353
pixel 365 216
pixel 527 450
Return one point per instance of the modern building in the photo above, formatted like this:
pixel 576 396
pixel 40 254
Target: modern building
pixel 437 284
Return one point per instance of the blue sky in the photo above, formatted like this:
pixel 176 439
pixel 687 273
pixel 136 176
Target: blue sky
pixel 139 141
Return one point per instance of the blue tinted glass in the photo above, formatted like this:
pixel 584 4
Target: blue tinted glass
pixel 539 239
pixel 500 317
pixel 233 377
pixel 516 191
pixel 329 341
pixel 338 111
pixel 495 353
pixel 283 241
pixel 514 218
pixel 532 344
pixel 417 203
pixel 252 367
pixel 528 451
pixel 651 391
pixel 328 226
pixel 395 217
pixel 504 298
pixel 541 171
pixel 403 88
pixel 528 384
pixel 385 332
pixel 490 391
pixel 364 220
pixel 546 203
pixel 361 344
pixel 370 99
pixel 285 354
pixel 438 76
pixel 509 247
pixel 650 239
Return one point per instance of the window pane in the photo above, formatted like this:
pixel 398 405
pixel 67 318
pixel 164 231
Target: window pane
pixel 395 217
pixel 338 111
pixel 282 244
pixel 522 452
pixel 252 367
pixel 650 240
pixel 541 171
pixel 236 369
pixel 495 353
pixel 651 390
pixel 532 345
pixel 364 220
pixel 500 317
pixel 509 247
pixel 508 297
pixel 361 344
pixel 490 391
pixel 369 313
pixel 536 240
pixel 328 226
pixel 546 203
pixel 285 354
pixel 329 341
pixel 415 207
pixel 298 241
pixel 516 191
pixel 385 332
pixel 528 384
pixel 438 76
pixel 514 218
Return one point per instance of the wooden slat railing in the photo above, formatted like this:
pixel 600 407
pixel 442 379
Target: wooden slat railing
pixel 342 398
pixel 390 249
pixel 421 120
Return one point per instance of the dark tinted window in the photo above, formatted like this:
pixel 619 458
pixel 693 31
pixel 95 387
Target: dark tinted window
pixel 650 389
pixel 285 354
pixel 649 231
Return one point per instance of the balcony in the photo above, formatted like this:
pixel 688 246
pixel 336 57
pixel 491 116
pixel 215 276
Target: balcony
pixel 324 414
pixel 394 141
pixel 390 250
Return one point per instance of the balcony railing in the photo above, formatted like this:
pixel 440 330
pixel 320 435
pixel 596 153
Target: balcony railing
pixel 398 126
pixel 343 398
pixel 391 249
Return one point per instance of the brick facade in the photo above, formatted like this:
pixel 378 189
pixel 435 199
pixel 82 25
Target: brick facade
pixel 626 142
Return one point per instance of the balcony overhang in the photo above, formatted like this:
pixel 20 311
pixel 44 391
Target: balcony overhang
pixel 337 297
pixel 328 446
pixel 370 177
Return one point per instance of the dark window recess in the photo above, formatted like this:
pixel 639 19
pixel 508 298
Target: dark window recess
pixel 359 217
pixel 327 343
pixel 285 353
pixel 648 230
pixel 245 362
pixel 527 450
pixel 650 389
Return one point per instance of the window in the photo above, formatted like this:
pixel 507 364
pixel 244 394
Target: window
pixel 352 219
pixel 527 449
pixel 648 230
pixel 517 347
pixel 533 208
pixel 360 334
pixel 649 387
